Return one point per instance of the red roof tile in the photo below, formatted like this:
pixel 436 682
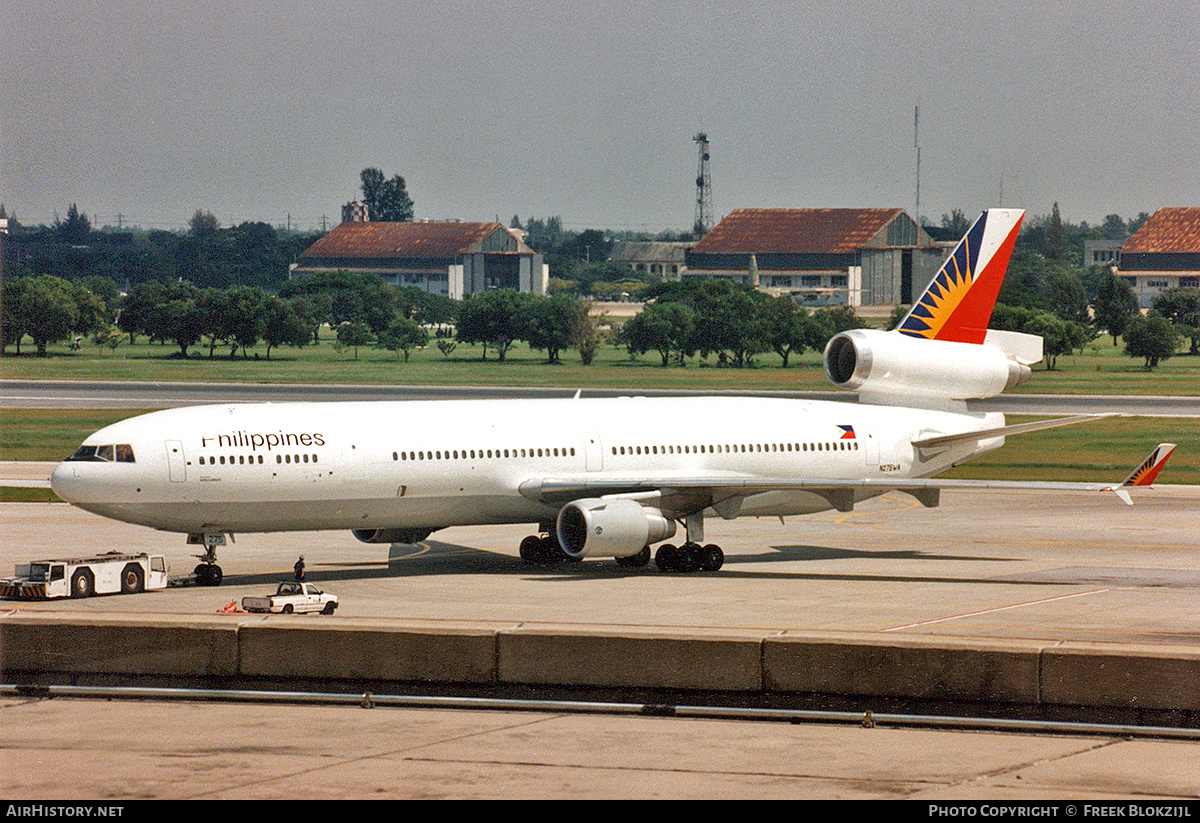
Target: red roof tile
pixel 1168 230
pixel 401 239
pixel 825 231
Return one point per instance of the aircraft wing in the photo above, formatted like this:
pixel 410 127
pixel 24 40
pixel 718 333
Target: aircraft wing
pixel 685 494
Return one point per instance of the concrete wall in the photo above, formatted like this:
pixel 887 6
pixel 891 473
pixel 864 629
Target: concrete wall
pixel 1026 672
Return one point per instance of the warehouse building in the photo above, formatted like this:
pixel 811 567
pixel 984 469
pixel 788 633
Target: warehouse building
pixel 451 259
pixel 857 257
pixel 1163 254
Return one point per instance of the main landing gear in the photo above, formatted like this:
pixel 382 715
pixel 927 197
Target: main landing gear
pixel 689 558
pixel 544 550
pixel 692 556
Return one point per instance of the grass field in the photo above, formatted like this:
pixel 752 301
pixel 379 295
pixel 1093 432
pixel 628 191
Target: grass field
pixel 1100 369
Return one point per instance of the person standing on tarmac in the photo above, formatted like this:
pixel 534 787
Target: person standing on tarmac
pixel 300 568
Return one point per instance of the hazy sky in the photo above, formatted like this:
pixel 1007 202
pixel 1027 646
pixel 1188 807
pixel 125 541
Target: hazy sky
pixel 258 110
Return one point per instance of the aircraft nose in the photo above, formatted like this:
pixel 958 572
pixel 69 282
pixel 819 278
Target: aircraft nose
pixel 63 482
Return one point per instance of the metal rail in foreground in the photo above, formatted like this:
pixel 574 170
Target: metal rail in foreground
pixel 369 700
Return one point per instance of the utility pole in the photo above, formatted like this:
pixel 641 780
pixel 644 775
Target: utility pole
pixel 917 146
pixel 704 207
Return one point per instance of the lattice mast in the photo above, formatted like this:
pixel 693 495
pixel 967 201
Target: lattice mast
pixel 704 207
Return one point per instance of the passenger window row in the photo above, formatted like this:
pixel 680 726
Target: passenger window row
pixel 483 454
pixel 255 459
pixel 739 448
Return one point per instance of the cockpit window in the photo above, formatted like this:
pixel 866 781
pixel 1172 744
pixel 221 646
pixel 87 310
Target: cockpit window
pixel 120 453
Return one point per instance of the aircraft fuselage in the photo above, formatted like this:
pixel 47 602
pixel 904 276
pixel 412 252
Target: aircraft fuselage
pixel 431 464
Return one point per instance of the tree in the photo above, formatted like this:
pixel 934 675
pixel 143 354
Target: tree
pixel 956 223
pixel 1181 306
pixel 403 335
pixel 246 317
pixel 788 327
pixel 1065 295
pixel 1114 305
pixel 182 320
pixel 1059 336
pixel 587 336
pixel 387 200
pixel 551 323
pixel 663 327
pixel 76 228
pixel 494 318
pixel 203 224
pixel 283 325
pixel 216 310
pixel 355 333
pixel 1056 236
pixel 49 308
pixel 1151 337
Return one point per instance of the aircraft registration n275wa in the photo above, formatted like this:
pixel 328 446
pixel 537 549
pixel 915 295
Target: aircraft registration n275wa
pixel 604 477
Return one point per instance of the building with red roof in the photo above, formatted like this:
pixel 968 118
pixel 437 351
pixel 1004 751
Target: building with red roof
pixel 1163 254
pixel 453 259
pixel 857 257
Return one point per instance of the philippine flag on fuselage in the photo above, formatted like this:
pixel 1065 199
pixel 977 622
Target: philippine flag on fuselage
pixel 847 433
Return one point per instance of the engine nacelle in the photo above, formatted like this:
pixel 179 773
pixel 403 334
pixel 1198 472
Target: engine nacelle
pixel 609 528
pixel 889 367
pixel 391 535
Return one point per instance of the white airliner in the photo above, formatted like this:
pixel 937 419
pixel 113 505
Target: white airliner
pixel 601 477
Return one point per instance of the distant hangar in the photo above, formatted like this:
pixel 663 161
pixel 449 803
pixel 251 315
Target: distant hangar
pixel 857 257
pixel 452 259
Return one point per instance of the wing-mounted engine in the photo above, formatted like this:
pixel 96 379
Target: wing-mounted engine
pixel 609 528
pixel 888 368
pixel 391 535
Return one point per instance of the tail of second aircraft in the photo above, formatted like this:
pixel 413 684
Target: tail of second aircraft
pixel 943 353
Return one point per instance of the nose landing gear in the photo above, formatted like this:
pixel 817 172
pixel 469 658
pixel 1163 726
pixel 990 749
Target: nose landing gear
pixel 208 573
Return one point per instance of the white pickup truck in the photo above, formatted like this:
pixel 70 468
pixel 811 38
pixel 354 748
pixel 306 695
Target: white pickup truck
pixel 293 598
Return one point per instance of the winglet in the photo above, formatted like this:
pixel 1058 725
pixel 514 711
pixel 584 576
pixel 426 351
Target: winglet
pixel 958 303
pixel 1146 472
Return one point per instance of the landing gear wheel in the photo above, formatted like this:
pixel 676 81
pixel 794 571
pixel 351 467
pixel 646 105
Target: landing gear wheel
pixel 636 560
pixel 688 559
pixel 666 558
pixel 531 549
pixel 711 558
pixel 541 551
pixel 209 574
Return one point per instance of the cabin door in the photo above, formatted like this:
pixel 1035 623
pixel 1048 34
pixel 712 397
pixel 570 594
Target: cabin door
pixel 593 452
pixel 176 466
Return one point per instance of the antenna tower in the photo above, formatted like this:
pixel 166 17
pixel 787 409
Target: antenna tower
pixel 704 207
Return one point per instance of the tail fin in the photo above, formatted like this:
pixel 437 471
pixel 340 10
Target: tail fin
pixel 1146 472
pixel 959 301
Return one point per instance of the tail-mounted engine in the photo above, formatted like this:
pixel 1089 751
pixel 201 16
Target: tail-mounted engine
pixel 609 528
pixel 889 368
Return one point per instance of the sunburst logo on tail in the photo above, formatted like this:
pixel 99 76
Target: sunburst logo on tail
pixel 958 303
pixel 1145 474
